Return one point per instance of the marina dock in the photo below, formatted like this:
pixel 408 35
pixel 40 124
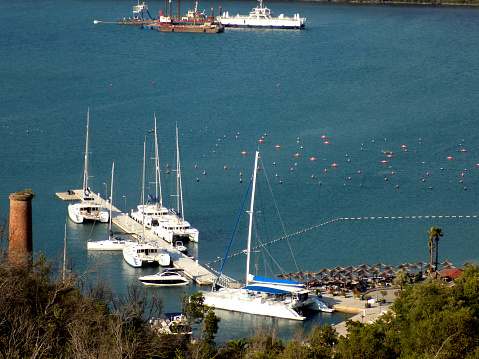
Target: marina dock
pixel 191 267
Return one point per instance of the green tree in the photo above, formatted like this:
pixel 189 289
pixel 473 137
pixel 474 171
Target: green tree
pixel 236 347
pixel 434 234
pixel 402 279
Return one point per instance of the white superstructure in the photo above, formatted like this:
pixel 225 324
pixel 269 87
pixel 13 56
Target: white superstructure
pixel 261 16
pixel 88 209
pixel 263 296
pixel 168 277
pixel 145 254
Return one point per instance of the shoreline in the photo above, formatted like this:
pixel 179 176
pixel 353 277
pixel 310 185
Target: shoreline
pixel 352 305
pixel 382 2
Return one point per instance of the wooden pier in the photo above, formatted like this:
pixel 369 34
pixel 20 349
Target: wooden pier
pixel 191 268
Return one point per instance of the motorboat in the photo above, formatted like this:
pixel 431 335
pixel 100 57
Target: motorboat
pixel 261 295
pixel 88 209
pixel 262 17
pixel 172 323
pixel 145 254
pixel 168 277
pixel 180 246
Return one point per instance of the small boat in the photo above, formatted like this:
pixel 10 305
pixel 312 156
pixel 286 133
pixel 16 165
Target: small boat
pixel 172 323
pixel 168 277
pixel 167 24
pixel 179 245
pixel 88 209
pixel 261 17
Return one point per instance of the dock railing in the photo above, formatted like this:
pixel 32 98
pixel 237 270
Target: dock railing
pixel 227 282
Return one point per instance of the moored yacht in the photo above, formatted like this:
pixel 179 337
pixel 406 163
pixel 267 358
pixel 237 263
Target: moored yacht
pixel 168 277
pixel 262 296
pixel 262 17
pixel 145 254
pixel 88 209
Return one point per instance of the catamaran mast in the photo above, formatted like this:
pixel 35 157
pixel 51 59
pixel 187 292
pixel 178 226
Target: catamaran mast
pixel 250 228
pixel 85 167
pixel 143 192
pixel 111 200
pixel 157 170
pixel 179 189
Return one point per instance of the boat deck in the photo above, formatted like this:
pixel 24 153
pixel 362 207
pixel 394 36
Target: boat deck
pixel 191 268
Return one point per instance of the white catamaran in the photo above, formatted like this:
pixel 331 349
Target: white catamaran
pixel 174 226
pixel 262 17
pixel 87 209
pixel 263 296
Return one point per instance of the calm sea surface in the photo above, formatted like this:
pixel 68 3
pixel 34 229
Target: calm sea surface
pixel 370 78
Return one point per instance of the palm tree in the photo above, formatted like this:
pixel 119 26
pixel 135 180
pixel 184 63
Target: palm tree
pixel 434 234
pixel 237 347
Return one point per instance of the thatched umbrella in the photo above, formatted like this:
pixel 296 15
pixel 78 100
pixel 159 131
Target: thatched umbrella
pixel 289 275
pixel 401 266
pixel 350 268
pixel 325 280
pixel 308 274
pixel 364 266
pixel 300 273
pixel 378 265
pixel 281 275
pixel 415 267
pixel 447 264
pixel 388 267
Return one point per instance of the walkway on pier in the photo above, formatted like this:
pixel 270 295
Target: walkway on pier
pixel 191 268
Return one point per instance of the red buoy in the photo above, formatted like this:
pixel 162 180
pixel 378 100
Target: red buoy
pixel 334 165
pixel 277 146
pixel 244 153
pixel 260 141
pixel 389 156
pixel 224 167
pixel 326 143
pixel 463 150
pixel 359 171
pixel 323 136
pixel 403 146
pixel 384 161
pixel 312 159
pixel 449 158
pixel 297 155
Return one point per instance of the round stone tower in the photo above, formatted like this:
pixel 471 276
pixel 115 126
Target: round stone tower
pixel 20 243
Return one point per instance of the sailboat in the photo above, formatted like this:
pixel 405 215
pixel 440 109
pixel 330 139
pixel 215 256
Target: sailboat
pixel 260 295
pixel 149 212
pixel 88 209
pixel 112 243
pixel 145 253
pixel 174 226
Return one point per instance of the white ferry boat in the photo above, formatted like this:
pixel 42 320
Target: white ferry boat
pixel 261 16
pixel 145 254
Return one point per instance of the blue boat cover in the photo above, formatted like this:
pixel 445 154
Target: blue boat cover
pixel 266 289
pixel 277 281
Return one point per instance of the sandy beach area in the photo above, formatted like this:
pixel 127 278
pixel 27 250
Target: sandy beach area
pixel 353 305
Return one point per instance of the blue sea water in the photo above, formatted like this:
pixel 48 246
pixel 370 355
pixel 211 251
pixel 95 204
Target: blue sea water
pixel 370 78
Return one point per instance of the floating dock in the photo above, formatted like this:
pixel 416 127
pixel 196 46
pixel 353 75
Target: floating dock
pixel 191 268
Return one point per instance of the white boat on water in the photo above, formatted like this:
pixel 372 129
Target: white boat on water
pixel 145 254
pixel 261 16
pixel 149 212
pixel 112 243
pixel 174 226
pixel 88 209
pixel 168 277
pixel 181 247
pixel 263 296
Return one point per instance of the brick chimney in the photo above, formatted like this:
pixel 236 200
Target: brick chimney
pixel 20 243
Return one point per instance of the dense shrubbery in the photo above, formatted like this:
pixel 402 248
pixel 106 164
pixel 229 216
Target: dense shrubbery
pixel 43 316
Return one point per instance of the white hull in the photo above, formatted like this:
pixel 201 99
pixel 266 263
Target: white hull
pixel 169 277
pixel 246 21
pixel 238 301
pixel 170 227
pixel 80 212
pixel 144 255
pixel 108 244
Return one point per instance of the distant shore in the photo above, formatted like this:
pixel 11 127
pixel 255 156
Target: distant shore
pixel 473 3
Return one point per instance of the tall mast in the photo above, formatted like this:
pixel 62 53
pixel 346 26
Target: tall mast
pixel 111 199
pixel 250 228
pixel 157 170
pixel 179 189
pixel 143 191
pixel 64 268
pixel 85 167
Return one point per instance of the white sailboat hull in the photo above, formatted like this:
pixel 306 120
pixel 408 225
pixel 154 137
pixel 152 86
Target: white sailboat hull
pixel 144 255
pixel 81 212
pixel 235 300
